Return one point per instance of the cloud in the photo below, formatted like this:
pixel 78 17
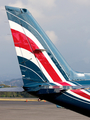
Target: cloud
pixel 81 2
pixel 53 37
pixel 86 60
pixel 8 38
pixel 37 7
pixel 42 3
pixel 18 3
pixel 2 14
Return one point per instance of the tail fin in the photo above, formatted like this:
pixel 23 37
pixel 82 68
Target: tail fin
pixel 38 58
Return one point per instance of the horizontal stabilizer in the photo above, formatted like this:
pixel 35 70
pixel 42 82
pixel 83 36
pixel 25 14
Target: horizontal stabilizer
pixel 72 87
pixel 12 89
pixel 50 89
pixel 60 89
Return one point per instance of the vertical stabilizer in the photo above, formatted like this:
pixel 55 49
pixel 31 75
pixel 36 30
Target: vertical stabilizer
pixel 38 58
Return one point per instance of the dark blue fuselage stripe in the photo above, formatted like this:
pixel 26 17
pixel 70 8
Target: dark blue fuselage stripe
pixel 25 64
pixel 76 98
pixel 71 100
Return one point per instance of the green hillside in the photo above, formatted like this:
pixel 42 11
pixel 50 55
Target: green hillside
pixel 14 94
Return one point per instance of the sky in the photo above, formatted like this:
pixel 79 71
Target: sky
pixel 66 22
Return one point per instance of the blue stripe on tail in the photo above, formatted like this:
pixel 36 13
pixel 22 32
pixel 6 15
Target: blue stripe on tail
pixel 30 72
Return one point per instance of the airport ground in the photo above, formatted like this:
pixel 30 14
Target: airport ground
pixel 34 110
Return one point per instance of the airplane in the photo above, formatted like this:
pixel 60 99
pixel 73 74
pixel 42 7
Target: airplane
pixel 45 73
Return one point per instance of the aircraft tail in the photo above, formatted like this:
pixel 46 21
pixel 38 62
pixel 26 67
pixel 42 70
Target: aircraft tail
pixel 39 60
pixel 45 73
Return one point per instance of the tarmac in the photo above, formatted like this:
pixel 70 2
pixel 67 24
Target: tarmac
pixel 34 110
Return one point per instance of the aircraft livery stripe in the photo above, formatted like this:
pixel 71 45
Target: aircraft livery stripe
pixel 79 94
pixel 18 27
pixel 30 56
pixel 23 30
pixel 21 41
pixel 78 98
